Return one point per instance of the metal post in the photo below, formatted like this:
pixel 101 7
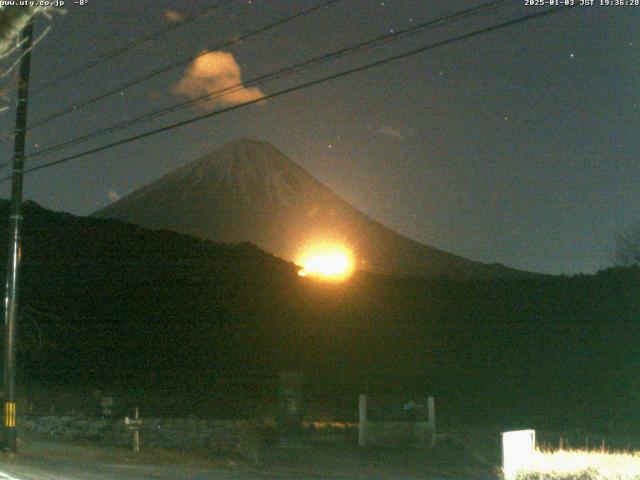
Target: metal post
pixel 290 411
pixel 134 424
pixel 362 420
pixel 431 415
pixel 15 248
pixel 136 432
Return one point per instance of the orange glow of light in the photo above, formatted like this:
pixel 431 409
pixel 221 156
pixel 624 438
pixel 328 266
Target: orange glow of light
pixel 327 261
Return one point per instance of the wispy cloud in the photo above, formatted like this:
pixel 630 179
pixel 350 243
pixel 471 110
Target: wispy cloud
pixel 173 16
pixel 211 73
pixel 113 196
pixel 391 132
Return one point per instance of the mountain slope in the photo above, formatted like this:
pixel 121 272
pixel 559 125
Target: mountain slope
pixel 249 191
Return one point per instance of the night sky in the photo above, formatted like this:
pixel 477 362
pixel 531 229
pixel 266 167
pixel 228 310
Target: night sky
pixel 519 146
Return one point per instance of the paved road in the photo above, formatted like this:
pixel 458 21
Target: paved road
pixel 39 469
pixel 84 471
pixel 50 460
pixel 70 471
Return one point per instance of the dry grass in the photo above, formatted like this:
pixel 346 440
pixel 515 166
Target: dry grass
pixel 581 465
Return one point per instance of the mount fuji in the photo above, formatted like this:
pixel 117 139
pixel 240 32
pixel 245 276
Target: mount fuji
pixel 248 191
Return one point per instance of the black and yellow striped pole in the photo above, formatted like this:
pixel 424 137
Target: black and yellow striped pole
pixel 9 414
pixel 15 245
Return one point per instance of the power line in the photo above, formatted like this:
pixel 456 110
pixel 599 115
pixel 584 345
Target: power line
pixel 154 73
pixel 302 86
pixel 118 51
pixel 377 41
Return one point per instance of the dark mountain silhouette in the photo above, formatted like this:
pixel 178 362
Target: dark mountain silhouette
pixel 249 191
pixel 207 326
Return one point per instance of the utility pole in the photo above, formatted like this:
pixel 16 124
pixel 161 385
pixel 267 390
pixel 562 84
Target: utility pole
pixel 15 247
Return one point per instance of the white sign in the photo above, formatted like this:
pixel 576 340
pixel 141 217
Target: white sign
pixel 517 449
